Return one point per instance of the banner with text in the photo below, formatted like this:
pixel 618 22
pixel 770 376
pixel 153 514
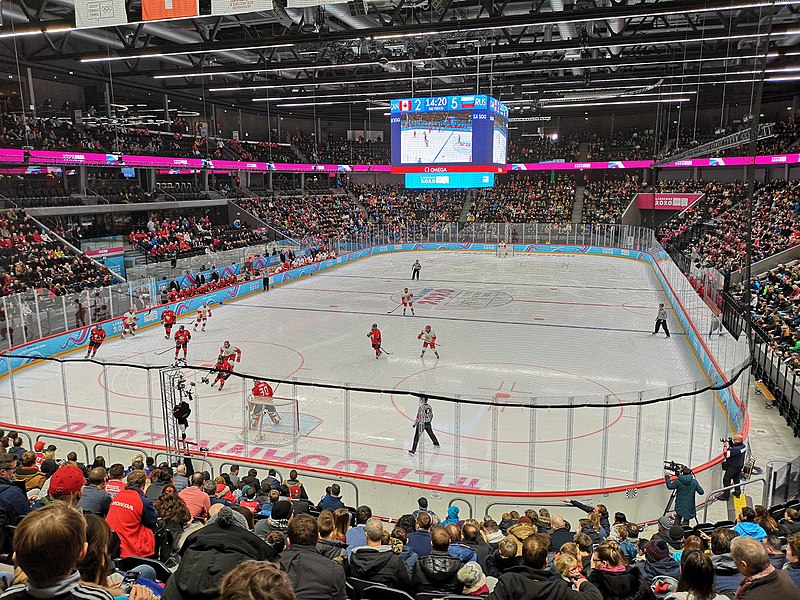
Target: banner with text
pixel 666 201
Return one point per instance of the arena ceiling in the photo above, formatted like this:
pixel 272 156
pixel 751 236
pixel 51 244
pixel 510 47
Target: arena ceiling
pixel 349 59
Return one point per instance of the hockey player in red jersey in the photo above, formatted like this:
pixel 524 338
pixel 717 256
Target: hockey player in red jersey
pixel 375 337
pixel 408 301
pixel 428 338
pixel 182 337
pixel 96 337
pixel 168 320
pixel 230 353
pixel 260 403
pixel 203 313
pixel 223 369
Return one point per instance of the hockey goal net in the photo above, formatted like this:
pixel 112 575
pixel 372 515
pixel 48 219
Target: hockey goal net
pixel 504 250
pixel 273 421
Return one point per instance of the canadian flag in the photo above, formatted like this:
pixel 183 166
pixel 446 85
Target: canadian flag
pixel 405 105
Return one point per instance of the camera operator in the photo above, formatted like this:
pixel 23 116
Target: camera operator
pixel 687 486
pixel 733 464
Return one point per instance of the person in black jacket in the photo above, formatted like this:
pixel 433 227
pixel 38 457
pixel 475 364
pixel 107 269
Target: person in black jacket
pixel 438 571
pixel 606 574
pixel 599 509
pixel 502 559
pixel 561 534
pixel 13 502
pixel 734 463
pixel 378 563
pixel 313 576
pixel 532 580
pixel 212 552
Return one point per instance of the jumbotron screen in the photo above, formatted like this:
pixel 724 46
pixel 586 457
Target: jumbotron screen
pixel 449 134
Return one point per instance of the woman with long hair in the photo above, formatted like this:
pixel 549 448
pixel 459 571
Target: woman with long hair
pixel 173 511
pixel 767 522
pixel 697 578
pixel 341 523
pixel 614 578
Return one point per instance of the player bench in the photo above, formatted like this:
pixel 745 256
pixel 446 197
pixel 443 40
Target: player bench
pixel 769 397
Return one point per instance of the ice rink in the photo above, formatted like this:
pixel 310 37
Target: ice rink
pixel 443 146
pixel 543 328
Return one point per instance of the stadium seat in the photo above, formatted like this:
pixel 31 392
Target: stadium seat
pixel 379 592
pixel 359 585
pixel 162 572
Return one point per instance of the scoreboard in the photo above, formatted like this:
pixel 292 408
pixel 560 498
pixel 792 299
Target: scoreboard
pixel 448 135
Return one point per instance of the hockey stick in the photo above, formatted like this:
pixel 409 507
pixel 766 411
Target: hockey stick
pixel 394 309
pixel 385 352
pixel 163 352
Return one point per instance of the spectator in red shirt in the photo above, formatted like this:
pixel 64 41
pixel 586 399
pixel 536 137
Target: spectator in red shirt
pixel 197 501
pixel 132 516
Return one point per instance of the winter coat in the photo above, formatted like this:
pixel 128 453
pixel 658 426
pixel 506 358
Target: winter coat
pixel 525 583
pixel 420 542
pixel 332 549
pixel 504 525
pixel 665 566
pixel 380 565
pixel 597 537
pixel 686 486
pixel 462 552
pixel 313 576
pixel 626 585
pixel 409 557
pixel 482 549
pixel 776 585
pixel 496 564
pixel 32 477
pixel 559 537
pixel 330 503
pixel 437 572
pixel 520 532
pixel 13 503
pixel 750 529
pixel 726 575
pixel 209 554
pixel 793 571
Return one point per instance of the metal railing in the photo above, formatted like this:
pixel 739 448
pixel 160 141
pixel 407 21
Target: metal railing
pixel 711 495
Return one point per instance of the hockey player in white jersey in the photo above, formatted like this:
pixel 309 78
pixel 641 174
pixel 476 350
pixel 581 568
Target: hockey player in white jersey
pixel 203 313
pixel 230 353
pixel 428 338
pixel 129 323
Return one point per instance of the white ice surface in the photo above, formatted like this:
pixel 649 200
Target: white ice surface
pixel 547 327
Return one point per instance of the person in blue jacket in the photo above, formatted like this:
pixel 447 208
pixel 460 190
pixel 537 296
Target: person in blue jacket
pixel 747 525
pixel 687 487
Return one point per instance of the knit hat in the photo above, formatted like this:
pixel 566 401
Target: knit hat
pixel 676 532
pixel 472 577
pixel 282 509
pixel 666 522
pixel 67 480
pixel 656 550
pixel 423 503
pixel 38 446
pixel 226 517
pixel 525 520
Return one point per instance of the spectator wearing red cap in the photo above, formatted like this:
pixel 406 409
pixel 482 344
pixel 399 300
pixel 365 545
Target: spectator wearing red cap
pixel 66 485
pixel 132 516
pixel 38 447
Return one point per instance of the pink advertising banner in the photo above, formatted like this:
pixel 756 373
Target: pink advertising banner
pixel 104 252
pixel 666 201
pixel 49 157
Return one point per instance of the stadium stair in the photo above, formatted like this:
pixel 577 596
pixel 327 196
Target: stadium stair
pixel 577 209
pixel 462 218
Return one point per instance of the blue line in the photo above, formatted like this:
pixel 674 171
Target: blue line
pixel 442 148
pixel 384 315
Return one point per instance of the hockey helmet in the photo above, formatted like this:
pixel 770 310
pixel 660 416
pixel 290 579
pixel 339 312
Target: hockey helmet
pixel 181 327
pixel 205 303
pixel 405 289
pixel 220 358
pixel 427 327
pixel 374 325
pixel 226 343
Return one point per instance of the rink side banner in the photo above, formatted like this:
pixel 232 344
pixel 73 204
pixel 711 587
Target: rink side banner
pixel 96 159
pixel 666 201
pixel 71 340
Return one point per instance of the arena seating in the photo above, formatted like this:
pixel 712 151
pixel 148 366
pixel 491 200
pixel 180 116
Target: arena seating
pixel 395 205
pixel 604 201
pixel 525 198
pixel 30 259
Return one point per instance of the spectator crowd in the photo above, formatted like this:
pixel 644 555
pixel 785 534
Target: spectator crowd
pixel 91 530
